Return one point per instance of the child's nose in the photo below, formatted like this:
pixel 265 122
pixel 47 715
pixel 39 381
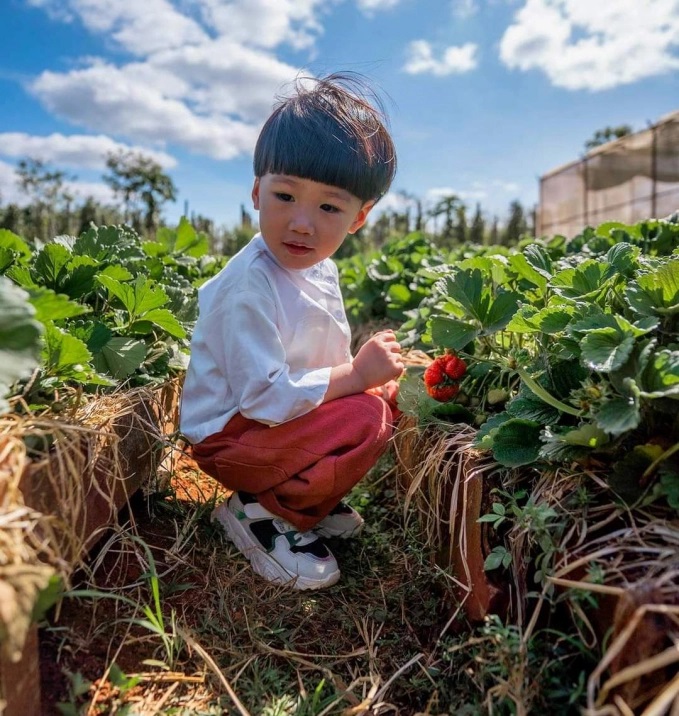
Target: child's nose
pixel 301 223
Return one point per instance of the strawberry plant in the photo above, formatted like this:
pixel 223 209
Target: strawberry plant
pixel 572 350
pixel 114 309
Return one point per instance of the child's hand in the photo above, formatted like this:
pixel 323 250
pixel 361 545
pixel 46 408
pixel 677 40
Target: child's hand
pixel 379 359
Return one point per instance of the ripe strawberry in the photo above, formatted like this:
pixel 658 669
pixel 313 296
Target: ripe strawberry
pixel 455 367
pixel 443 393
pixel 433 375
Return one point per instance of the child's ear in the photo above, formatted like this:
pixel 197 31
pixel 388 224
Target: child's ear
pixel 255 194
pixel 361 216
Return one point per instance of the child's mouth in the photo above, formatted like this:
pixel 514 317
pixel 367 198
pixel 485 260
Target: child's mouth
pixel 297 249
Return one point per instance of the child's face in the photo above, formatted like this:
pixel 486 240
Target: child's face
pixel 302 221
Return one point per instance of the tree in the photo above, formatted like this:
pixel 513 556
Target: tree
pixel 516 226
pixel 478 227
pixel 447 207
pixel 608 134
pixel 48 195
pixel 138 179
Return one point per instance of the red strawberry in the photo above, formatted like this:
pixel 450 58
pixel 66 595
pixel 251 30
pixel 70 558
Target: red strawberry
pixel 455 367
pixel 443 393
pixel 433 375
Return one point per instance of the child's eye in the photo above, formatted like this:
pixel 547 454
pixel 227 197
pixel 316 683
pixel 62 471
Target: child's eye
pixel 329 208
pixel 283 196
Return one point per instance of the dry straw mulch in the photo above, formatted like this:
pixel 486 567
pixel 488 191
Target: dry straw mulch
pixel 615 568
pixel 62 481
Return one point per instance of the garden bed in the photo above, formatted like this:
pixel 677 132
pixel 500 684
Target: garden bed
pixel 65 482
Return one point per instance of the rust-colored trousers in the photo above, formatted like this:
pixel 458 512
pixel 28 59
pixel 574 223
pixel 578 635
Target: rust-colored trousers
pixel 301 469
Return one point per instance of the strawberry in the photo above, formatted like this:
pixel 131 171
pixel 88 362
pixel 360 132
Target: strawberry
pixel 433 375
pixel 455 367
pixel 443 393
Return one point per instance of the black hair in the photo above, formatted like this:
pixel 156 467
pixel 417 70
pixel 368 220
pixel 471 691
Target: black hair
pixel 331 132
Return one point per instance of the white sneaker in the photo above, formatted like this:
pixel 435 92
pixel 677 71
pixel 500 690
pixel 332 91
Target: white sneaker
pixel 343 522
pixel 276 550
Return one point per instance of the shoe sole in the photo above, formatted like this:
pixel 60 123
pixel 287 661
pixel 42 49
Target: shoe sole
pixel 343 534
pixel 262 562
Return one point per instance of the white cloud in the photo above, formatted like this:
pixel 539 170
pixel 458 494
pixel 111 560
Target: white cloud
pixel 266 23
pixel 9 191
pixel 435 194
pixel 463 9
pixel 371 6
pixel 108 99
pixel 580 44
pixel 140 27
pixel 76 151
pixel 454 60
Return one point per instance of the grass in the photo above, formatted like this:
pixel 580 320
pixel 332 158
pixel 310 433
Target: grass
pixel 387 639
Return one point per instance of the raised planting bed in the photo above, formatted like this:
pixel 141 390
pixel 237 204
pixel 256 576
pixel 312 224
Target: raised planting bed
pixel 444 482
pixel 62 484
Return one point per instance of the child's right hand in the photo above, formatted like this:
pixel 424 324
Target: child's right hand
pixel 379 359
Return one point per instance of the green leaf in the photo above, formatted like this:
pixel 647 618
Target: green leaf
pixel 162 318
pixel 398 293
pixel 532 408
pixel 63 353
pixel 526 271
pixel 624 258
pixel 618 415
pixel 517 442
pixel 51 263
pixel 189 241
pixel 138 298
pixel 451 333
pixel 584 282
pixel 467 289
pixel 500 311
pixel 51 306
pixel 19 337
pixel 15 244
pixel 121 357
pixel 486 434
pixel 656 293
pixel 606 349
pixel 499 557
pixel 661 375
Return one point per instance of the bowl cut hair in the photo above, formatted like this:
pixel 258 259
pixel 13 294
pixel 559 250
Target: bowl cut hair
pixel 329 131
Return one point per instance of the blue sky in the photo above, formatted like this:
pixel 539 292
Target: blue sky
pixel 484 96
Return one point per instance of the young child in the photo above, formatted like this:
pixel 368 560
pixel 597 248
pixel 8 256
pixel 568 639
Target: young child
pixel 275 406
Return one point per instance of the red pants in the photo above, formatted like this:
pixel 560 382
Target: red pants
pixel 301 469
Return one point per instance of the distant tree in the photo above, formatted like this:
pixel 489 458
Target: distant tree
pixel 447 207
pixel 478 227
pixel 602 136
pixel 461 230
pixel 494 236
pixel 48 196
pixel 516 225
pixel 138 179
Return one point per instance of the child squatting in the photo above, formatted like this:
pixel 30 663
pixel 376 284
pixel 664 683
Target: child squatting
pixel 274 405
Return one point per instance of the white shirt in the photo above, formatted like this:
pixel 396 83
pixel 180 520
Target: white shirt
pixel 264 343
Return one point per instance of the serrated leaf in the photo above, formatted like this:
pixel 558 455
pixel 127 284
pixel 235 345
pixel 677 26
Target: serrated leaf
pixel 618 415
pixel 451 333
pixel 51 306
pixel 138 297
pixel 656 293
pixel 500 311
pixel 189 241
pixel 467 289
pixel 661 375
pixel 121 357
pixel 529 407
pixel 13 242
pixel 583 282
pixel 162 318
pixel 606 349
pixel 62 352
pixel 517 442
pixel 624 258
pixel 486 433
pixel 527 272
pixel 50 265
pixel 19 337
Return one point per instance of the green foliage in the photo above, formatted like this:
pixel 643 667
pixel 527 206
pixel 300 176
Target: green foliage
pixel 110 307
pixel 573 347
